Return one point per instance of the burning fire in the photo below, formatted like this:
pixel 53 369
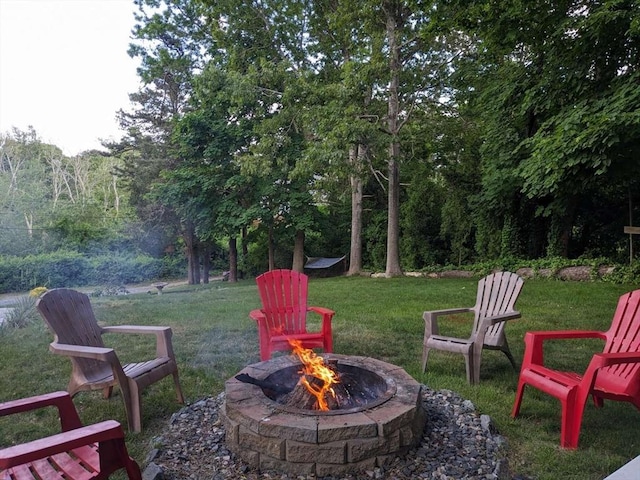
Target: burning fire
pixel 314 366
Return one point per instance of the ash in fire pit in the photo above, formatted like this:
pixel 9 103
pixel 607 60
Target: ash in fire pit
pixel 378 415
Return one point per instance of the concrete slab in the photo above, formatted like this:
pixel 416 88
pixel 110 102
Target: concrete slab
pixel 629 471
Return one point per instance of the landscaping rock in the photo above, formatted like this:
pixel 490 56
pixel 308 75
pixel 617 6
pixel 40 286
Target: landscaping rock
pixel 457 443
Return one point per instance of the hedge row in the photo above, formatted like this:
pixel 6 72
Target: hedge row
pixel 72 269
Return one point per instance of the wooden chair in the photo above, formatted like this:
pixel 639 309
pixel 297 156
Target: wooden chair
pixel 94 451
pixel 283 315
pixel 70 318
pixel 495 302
pixel 613 374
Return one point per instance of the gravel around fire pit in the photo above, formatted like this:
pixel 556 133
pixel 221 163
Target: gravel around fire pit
pixel 457 443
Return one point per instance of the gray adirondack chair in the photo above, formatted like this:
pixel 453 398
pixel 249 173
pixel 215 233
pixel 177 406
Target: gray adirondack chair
pixel 69 316
pixel 495 305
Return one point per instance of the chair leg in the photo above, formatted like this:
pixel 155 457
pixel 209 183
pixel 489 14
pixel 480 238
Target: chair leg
pixel 134 409
pixel 568 436
pixel 328 344
pixel 577 412
pixel 425 356
pixel 265 350
pixel 114 455
pixel 176 381
pixel 518 401
pixel 476 360
pixel 505 349
pixel 468 363
pixel 599 402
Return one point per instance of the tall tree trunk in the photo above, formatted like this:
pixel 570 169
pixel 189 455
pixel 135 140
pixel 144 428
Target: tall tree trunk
pixel 206 262
pixel 190 242
pixel 272 261
pixel 356 156
pixel 233 259
pixel 393 126
pixel 298 252
pixel 245 252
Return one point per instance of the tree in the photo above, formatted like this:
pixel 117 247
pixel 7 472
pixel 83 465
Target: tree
pixel 557 88
pixel 208 180
pixel 173 44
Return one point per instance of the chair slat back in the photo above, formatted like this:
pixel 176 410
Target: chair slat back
pixel 284 300
pixel 69 316
pixel 624 336
pixel 497 294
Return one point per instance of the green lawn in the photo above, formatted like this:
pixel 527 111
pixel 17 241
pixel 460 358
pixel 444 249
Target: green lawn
pixel 382 318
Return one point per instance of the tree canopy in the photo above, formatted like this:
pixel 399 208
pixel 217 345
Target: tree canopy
pixel 406 133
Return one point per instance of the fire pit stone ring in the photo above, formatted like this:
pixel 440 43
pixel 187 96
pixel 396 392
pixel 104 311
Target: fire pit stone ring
pixel 270 436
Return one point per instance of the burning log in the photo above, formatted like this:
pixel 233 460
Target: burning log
pixel 301 396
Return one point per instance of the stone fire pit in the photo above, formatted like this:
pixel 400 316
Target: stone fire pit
pixel 270 436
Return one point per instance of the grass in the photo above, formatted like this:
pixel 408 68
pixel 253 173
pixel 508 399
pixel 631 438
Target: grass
pixel 382 318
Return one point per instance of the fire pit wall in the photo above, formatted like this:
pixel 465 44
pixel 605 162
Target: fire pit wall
pixel 268 436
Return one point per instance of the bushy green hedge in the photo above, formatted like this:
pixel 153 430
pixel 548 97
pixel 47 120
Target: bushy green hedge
pixel 72 269
pixel 115 270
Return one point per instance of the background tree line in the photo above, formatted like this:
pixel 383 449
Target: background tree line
pixel 403 133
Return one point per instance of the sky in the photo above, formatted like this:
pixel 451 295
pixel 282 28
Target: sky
pixel 64 69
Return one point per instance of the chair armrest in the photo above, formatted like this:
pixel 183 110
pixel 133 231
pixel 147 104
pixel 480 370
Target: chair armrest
pixel 143 329
pixel 608 359
pixel 327 314
pixel 61 442
pixel 164 346
pixel 103 354
pixel 321 311
pixel 534 353
pixel 431 319
pixel 69 418
pixel 504 317
pixel 261 321
pixel 487 322
pixel 564 335
pixel 257 315
pixel 602 360
pixel 54 399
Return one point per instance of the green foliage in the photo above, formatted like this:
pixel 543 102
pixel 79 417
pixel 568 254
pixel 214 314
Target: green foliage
pixel 172 266
pixel 21 314
pixel 421 242
pixel 73 269
pixel 120 270
pixel 518 129
pixel 624 274
pixel 374 238
pixel 54 269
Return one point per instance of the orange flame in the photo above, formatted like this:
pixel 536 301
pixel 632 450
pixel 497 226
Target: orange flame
pixel 314 366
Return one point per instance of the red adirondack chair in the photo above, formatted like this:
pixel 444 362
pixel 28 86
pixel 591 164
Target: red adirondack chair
pixel 283 315
pixel 613 374
pixel 78 452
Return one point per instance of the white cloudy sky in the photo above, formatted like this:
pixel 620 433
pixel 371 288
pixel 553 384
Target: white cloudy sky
pixel 64 69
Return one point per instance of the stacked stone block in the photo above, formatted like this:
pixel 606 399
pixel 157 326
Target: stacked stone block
pixel 268 437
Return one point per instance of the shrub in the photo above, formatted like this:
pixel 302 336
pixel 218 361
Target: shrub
pixel 73 269
pixel 120 270
pixel 23 313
